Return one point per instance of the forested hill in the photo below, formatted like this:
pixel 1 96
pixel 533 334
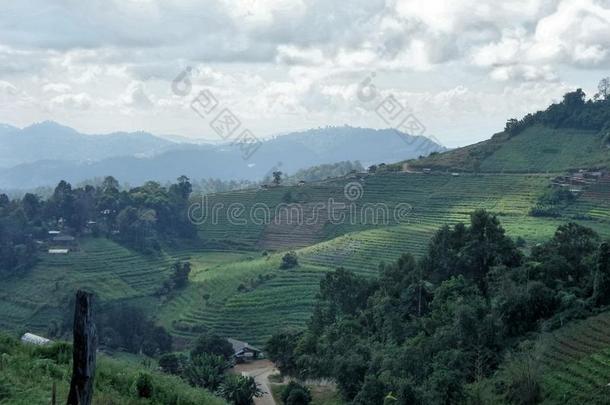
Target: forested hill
pixel 572 134
pixel 44 154
pixel 455 326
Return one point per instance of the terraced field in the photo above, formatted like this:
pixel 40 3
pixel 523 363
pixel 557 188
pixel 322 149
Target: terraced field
pixel 577 363
pixel 247 299
pixel 110 270
pixel 237 291
pixel 105 267
pixel 425 199
pixel 594 202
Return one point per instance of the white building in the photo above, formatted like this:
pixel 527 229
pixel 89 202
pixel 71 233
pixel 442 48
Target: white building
pixel 32 339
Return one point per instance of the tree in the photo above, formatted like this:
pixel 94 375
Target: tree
pixel 144 385
pixel 345 291
pixel 209 343
pixel 31 205
pixel 62 201
pixel 604 88
pixel 136 227
pixel 574 241
pixel 296 394
pixel 206 370
pixel 277 177
pixel 181 273
pixel 487 246
pixel 239 390
pixel 110 186
pixel 184 187
pixel 574 99
pixel 511 125
pixel 471 251
pixel 289 261
pixel 172 363
pixel 281 349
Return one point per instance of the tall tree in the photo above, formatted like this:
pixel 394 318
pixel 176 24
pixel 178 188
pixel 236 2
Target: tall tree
pixel 277 178
pixel 604 88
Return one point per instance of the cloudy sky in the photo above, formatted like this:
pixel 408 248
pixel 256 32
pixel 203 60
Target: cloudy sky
pixel 462 67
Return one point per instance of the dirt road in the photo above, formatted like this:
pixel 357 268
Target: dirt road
pixel 260 370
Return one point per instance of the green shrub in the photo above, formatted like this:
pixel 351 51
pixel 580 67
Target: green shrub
pixel 209 343
pixel 144 385
pixel 296 394
pixel 206 370
pixel 7 343
pixel 5 388
pixel 239 390
pixel 172 363
pixel 289 261
pixel 59 352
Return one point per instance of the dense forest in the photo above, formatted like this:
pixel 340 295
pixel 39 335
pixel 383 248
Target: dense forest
pixel 138 218
pixel 431 331
pixel 574 111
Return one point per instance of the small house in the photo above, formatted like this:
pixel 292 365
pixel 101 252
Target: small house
pixel 301 183
pixel 54 233
pixel 243 352
pixel 59 251
pixel 427 171
pixel 30 338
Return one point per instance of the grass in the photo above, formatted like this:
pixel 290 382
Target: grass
pixel 537 149
pixel 28 373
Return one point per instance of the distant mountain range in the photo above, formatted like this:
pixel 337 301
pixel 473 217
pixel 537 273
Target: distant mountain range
pixel 44 153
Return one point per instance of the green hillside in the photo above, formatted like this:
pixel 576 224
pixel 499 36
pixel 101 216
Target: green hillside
pixel 250 298
pixel 236 291
pixel 27 376
pixel 537 149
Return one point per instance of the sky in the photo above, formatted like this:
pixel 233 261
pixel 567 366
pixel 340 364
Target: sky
pixel 460 67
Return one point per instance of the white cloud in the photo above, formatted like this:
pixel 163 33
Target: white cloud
pixel 80 101
pixel 7 88
pixel 135 96
pixel 56 88
pixel 294 62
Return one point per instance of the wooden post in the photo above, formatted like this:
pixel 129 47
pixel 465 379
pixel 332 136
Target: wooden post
pixel 83 352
